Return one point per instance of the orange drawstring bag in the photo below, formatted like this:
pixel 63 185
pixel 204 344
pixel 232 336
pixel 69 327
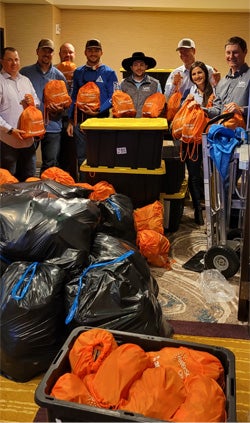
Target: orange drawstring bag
pixel 55 92
pixel 154 247
pixel 189 362
pixel 205 401
pixel 188 126
pixel 58 175
pixel 122 105
pixel 84 185
pixel 6 177
pixel 149 217
pixel 117 373
pixel 67 68
pixel 154 105
pixel 88 95
pixel 157 394
pixel 70 387
pixel 101 191
pixel 32 179
pixel 173 105
pixel 237 121
pixel 89 351
pixel 31 121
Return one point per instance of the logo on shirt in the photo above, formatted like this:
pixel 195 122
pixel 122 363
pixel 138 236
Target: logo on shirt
pixel 241 84
pixel 99 79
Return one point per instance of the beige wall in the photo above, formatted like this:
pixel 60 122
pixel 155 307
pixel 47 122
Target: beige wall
pixel 123 32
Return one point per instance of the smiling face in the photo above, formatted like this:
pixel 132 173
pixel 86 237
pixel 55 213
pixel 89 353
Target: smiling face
pixel 198 77
pixel 44 56
pixel 187 55
pixel 93 55
pixel 11 62
pixel 235 56
pixel 138 68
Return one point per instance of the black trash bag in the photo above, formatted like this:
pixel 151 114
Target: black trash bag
pixel 48 185
pixel 117 217
pixel 32 318
pixel 114 293
pixel 4 263
pixel 42 228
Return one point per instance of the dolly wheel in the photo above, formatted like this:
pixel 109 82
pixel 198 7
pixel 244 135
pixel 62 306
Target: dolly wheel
pixel 222 258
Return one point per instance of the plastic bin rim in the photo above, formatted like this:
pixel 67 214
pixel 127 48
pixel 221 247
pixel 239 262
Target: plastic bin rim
pixel 178 195
pixel 129 124
pixel 127 170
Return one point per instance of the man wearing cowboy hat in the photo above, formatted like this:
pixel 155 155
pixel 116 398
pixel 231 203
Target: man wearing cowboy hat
pixel 139 85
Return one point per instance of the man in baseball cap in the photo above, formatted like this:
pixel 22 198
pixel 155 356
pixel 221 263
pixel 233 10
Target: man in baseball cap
pixel 180 76
pixel 185 43
pixel 46 43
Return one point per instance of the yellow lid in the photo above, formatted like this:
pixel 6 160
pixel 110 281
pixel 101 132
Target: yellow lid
pixel 177 195
pixel 125 123
pixel 128 170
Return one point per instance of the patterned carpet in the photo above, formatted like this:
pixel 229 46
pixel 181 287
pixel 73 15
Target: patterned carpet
pixel 181 295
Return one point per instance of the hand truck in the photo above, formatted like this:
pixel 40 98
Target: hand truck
pixel 223 245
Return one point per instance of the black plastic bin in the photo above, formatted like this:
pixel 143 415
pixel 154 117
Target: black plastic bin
pixel 173 207
pixel 124 142
pixel 64 411
pixel 175 168
pixel 142 185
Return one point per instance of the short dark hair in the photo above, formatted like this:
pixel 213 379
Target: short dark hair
pixel 13 49
pixel 237 40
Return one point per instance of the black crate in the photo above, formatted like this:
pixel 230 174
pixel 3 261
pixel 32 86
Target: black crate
pixel 175 168
pixel 173 206
pixel 143 186
pixel 125 142
pixel 65 411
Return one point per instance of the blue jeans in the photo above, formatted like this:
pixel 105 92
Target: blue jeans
pixel 50 148
pixel 20 162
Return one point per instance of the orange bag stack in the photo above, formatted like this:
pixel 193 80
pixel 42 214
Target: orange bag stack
pixel 151 241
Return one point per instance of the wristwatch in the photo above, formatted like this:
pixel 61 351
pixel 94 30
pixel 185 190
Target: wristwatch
pixel 10 131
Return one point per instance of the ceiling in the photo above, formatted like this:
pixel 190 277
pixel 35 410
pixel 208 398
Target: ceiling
pixel 230 6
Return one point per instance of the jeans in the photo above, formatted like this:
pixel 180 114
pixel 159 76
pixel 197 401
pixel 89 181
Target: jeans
pixel 20 162
pixel 50 148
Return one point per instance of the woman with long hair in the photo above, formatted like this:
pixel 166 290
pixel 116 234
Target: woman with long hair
pixel 201 92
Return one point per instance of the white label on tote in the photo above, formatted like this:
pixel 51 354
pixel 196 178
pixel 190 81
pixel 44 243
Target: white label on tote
pixel 121 150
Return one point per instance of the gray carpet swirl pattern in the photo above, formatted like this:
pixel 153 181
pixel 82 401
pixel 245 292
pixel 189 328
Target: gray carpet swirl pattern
pixel 181 296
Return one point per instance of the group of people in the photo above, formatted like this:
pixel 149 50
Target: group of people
pixel 63 144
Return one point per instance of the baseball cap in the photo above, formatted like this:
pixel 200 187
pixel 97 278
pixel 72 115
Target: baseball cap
pixel 46 43
pixel 93 43
pixel 186 43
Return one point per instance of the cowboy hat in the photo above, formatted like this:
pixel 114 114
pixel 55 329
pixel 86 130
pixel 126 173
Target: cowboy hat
pixel 149 61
